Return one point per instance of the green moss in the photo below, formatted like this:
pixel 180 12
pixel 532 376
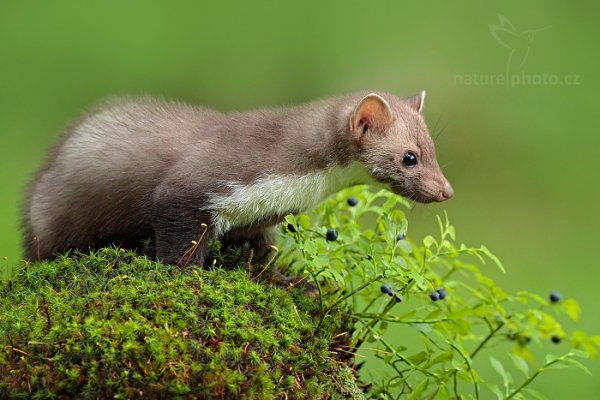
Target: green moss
pixel 112 324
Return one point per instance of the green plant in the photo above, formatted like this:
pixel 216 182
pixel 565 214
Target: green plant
pixel 434 290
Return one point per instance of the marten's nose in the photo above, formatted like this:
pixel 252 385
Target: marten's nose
pixel 447 192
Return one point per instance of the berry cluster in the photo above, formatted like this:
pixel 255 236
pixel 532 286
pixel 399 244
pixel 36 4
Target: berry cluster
pixel 387 289
pixel 438 294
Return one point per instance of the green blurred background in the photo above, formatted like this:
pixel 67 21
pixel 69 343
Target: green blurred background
pixel 522 157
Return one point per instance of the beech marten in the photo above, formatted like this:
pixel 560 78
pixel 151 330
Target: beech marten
pixel 180 174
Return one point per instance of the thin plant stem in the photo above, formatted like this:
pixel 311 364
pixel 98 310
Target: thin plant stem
pixel 533 376
pixel 487 339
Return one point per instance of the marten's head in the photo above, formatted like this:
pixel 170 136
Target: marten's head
pixel 393 142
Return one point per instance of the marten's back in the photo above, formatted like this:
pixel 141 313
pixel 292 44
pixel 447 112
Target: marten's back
pixel 96 186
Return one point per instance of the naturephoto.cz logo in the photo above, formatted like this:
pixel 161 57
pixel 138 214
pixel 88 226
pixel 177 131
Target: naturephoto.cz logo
pixel 517 44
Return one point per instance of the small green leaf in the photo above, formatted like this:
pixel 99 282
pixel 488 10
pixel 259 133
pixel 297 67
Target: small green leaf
pixel 419 357
pixel 550 358
pixel 290 219
pixel 443 393
pixel 496 390
pixel 304 221
pixel 492 257
pixel 417 277
pixel 434 314
pixel 310 247
pixel 416 393
pixel 407 315
pixel 382 327
pixel 338 277
pixel 463 327
pixel 499 368
pixel 577 364
pixel 423 328
pixel 444 357
pixel 464 376
pixel 404 245
pixel 520 364
pixel 572 308
pixel 429 241
pixel 579 353
pixel 535 394
pixel 557 365
pixel 451 232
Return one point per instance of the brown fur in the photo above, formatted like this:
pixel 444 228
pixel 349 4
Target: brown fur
pixel 147 168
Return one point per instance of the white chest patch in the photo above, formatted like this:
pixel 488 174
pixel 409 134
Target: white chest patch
pixel 272 195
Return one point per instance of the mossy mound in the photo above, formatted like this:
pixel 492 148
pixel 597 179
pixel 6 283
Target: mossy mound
pixel 115 325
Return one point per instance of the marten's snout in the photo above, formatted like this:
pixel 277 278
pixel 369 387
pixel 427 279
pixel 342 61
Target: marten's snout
pixel 446 193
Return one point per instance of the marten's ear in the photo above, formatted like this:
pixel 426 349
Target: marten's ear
pixel 417 101
pixel 373 113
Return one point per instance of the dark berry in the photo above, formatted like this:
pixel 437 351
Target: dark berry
pixel 400 236
pixel 555 339
pixel 352 201
pixel 522 340
pixel 434 296
pixel 386 289
pixel 291 228
pixel 331 235
pixel 555 296
pixel 442 293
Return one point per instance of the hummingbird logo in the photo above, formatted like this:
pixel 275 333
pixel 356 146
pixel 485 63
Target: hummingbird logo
pixel 518 42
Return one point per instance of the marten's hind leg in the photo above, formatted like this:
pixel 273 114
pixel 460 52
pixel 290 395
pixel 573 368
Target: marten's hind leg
pixel 182 233
pixel 182 245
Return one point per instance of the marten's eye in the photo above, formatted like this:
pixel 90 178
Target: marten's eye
pixel 409 159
